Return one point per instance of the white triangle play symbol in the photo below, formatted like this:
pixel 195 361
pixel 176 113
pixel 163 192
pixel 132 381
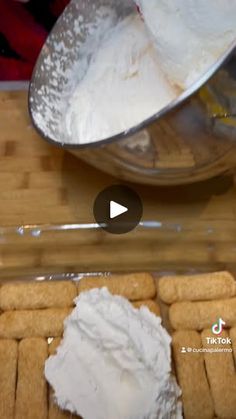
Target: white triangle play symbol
pixel 116 209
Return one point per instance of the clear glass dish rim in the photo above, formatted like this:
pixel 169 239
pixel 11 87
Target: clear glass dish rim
pixel 177 227
pixel 181 246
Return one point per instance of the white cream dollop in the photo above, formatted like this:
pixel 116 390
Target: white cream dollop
pixel 190 35
pixel 114 362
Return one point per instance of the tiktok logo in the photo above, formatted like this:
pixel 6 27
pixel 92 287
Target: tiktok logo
pixel 217 327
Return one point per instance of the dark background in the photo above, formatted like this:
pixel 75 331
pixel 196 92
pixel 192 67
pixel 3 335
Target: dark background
pixel 23 30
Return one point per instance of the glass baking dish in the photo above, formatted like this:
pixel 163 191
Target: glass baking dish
pixel 154 245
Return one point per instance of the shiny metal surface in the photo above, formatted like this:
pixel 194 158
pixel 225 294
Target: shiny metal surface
pixel 191 139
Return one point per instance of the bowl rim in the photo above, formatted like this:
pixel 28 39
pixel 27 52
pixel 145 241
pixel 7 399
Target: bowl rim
pixel 172 106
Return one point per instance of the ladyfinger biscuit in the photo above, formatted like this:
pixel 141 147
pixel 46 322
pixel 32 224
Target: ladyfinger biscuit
pixel 35 295
pixel 8 369
pixel 232 334
pixel 134 287
pixel 54 412
pixel 191 374
pixel 221 375
pixel 33 323
pixel 150 304
pixel 203 314
pixel 209 286
pixel 31 392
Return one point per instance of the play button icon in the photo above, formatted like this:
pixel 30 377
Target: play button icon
pixel 118 209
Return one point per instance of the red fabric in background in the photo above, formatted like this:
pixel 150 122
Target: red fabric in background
pixel 25 36
pixel 11 69
pixel 58 6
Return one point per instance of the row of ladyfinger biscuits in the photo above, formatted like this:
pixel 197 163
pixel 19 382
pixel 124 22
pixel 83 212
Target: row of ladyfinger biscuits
pixel 208 380
pixel 24 393
pixel 39 308
pixel 197 301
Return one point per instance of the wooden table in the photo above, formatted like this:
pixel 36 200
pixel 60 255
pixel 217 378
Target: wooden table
pixel 42 184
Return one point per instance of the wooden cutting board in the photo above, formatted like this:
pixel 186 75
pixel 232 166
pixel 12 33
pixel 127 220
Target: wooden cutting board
pixel 40 183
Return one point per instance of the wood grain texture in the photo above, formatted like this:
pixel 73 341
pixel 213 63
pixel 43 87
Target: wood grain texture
pixel 43 184
pixel 28 163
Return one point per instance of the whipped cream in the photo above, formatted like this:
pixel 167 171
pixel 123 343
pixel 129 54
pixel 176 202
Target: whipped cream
pixel 123 86
pixel 114 362
pixel 143 64
pixel 190 35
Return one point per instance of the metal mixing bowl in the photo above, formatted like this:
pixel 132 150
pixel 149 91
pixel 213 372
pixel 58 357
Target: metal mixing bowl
pixel 191 139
